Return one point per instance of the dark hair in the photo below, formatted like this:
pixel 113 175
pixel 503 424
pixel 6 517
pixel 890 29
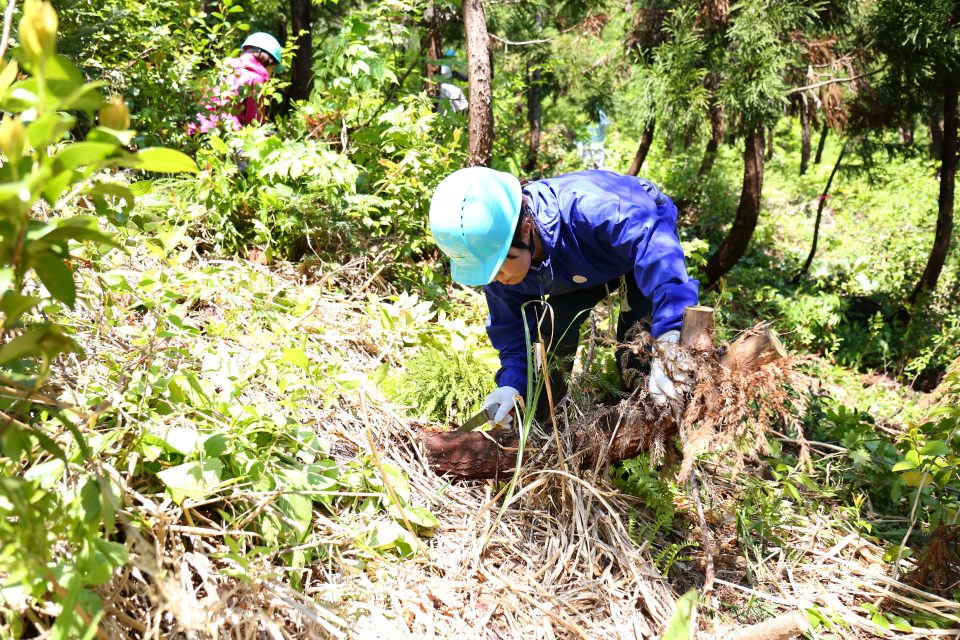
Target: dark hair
pixel 265 57
pixel 525 214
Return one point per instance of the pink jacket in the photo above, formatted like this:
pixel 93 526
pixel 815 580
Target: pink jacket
pixel 236 102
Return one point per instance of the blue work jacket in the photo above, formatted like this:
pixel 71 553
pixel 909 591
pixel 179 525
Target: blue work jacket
pixel 594 227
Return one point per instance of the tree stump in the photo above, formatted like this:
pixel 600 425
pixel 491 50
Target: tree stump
pixel 493 454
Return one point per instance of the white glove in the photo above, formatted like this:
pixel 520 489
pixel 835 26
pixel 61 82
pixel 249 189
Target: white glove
pixel 500 403
pixel 669 369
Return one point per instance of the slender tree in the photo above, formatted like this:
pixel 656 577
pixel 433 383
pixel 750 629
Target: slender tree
pixel 301 69
pixel 753 92
pixel 646 139
pixel 919 42
pixel 823 141
pixel 480 72
pixel 534 116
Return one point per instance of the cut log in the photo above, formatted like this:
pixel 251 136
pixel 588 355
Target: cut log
pixel 753 349
pixel 493 454
pixel 698 331
pixel 785 627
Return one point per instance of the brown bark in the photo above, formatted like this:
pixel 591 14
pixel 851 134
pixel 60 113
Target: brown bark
pixel 698 330
pixel 948 172
pixel 748 211
pixel 936 136
pixel 480 114
pixel 905 134
pixel 493 454
pixel 716 136
pixel 804 136
pixel 646 139
pixel 534 117
pixel 301 69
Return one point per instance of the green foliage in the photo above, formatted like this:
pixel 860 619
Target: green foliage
pixel 920 45
pixel 175 58
pixel 258 188
pixel 447 363
pixel 57 508
pixel 637 478
pixel 682 624
pixel 444 383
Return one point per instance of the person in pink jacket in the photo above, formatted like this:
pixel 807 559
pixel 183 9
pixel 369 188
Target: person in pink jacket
pixel 237 102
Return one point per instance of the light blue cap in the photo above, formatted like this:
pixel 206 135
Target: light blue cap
pixel 473 215
pixel 267 42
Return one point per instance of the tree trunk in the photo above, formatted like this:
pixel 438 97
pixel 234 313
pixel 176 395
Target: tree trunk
pixel 534 117
pixel 480 115
pixel 804 135
pixel 434 49
pixel 748 211
pixel 493 454
pixel 301 69
pixel 769 143
pixel 816 225
pixel 716 137
pixel 646 139
pixel 948 172
pixel 936 135
pixel 823 141
pixel 905 133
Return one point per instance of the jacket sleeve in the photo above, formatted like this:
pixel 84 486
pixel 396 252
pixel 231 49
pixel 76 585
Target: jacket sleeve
pixel 644 233
pixel 505 329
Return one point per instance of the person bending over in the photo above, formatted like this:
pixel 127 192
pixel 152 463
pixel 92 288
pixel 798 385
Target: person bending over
pixel 568 241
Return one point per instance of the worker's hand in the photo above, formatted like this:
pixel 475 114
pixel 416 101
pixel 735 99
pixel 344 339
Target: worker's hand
pixel 670 369
pixel 500 405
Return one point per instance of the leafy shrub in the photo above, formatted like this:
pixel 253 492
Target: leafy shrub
pixel 257 188
pixel 57 506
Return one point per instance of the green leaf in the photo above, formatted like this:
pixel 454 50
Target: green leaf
pixel 880 620
pixel 911 460
pixel 106 198
pixel 936 448
pixel 141 188
pixel 218 145
pixel 84 154
pixel 63 233
pixel 385 535
pixel 185 440
pixel 194 480
pixel 15 304
pixel 85 97
pixel 296 357
pixel 8 75
pixel 899 622
pixel 54 186
pixel 216 445
pixel 298 511
pixel 55 276
pixel 904 465
pixel 49 128
pixel 681 625
pixel 36 341
pixel 162 160
pixel 47 474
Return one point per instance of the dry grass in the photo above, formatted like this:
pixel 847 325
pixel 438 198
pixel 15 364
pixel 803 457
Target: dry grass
pixel 553 561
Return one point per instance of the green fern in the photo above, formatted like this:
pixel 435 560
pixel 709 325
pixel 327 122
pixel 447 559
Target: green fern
pixel 671 554
pixel 440 383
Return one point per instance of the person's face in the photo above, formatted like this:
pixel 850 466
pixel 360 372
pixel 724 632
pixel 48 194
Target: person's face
pixel 517 264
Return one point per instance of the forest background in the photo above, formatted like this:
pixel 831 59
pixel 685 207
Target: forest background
pixel 192 352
